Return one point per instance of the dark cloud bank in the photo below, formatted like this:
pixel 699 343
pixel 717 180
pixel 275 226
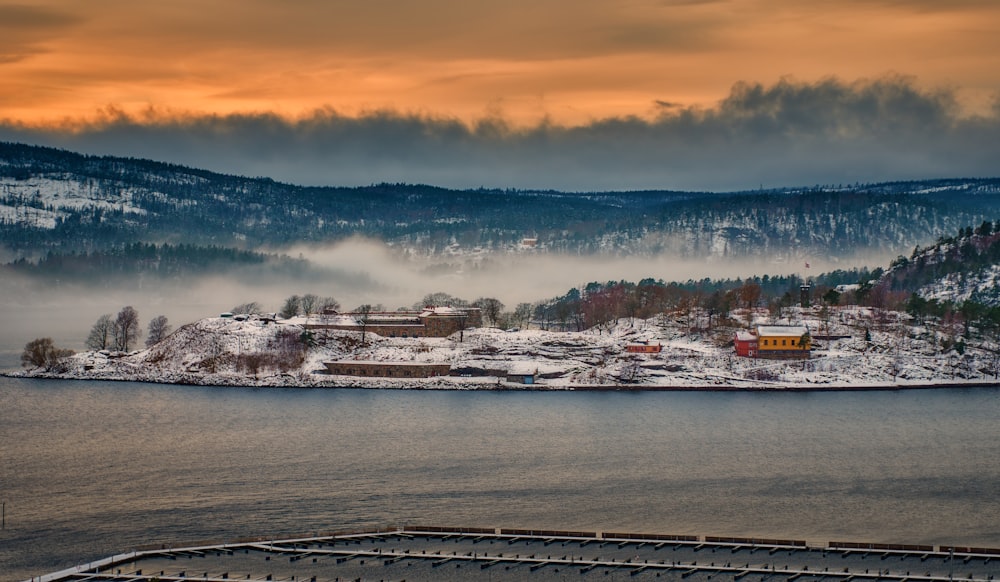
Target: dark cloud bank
pixel 791 133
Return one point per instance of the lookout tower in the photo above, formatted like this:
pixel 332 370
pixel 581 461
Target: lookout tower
pixel 805 290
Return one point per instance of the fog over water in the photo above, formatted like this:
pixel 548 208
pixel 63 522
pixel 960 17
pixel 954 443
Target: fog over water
pixel 354 272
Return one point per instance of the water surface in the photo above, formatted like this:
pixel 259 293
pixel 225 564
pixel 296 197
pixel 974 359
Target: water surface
pixel 88 469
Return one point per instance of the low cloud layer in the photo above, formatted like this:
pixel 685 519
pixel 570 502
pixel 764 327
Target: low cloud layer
pixel 354 272
pixel 789 133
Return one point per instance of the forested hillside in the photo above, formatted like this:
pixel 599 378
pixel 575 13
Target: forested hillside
pixel 955 269
pixel 58 201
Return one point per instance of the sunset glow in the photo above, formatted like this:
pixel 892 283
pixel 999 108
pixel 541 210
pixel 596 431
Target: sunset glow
pixel 586 94
pixel 568 62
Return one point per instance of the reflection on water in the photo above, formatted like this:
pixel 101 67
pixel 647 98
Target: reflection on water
pixel 90 469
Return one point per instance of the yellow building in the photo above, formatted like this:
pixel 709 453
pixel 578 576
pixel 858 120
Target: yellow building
pixel 783 341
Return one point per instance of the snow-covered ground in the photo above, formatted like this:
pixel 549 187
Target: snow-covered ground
pixel 224 351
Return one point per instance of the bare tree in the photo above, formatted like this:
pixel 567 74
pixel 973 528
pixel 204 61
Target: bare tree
pixel 126 329
pixel 328 304
pixel 101 334
pixel 749 295
pixel 290 308
pixel 308 304
pixel 362 313
pixel 251 308
pixel 631 371
pixel 522 315
pixel 490 307
pixel 158 329
pixel 42 353
pixel 440 299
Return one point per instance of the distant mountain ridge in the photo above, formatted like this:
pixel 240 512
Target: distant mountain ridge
pixel 58 201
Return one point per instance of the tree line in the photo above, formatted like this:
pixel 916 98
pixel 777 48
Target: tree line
pixel 121 332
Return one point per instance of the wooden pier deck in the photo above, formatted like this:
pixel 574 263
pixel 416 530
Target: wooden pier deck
pixel 417 553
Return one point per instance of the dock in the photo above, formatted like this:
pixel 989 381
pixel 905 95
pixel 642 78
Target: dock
pixel 424 553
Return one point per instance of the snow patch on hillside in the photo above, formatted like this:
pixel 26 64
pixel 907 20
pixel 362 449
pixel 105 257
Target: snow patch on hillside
pixel 980 286
pixel 38 201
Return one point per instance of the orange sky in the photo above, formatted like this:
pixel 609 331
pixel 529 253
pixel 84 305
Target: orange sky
pixel 571 61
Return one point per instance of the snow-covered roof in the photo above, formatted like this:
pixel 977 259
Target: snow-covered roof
pixel 393 318
pixel 746 336
pixel 522 369
pixel 441 310
pixel 384 362
pixel 782 330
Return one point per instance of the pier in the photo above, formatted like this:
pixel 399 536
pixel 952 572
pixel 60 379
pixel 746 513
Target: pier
pixel 423 553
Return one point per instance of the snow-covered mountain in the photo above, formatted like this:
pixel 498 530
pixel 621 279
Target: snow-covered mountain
pixel 53 200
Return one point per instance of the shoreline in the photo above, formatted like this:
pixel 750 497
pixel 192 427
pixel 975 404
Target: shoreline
pixel 224 352
pixel 443 385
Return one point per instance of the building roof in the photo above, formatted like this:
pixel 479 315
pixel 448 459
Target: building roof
pixel 446 310
pixel 387 363
pixel 782 330
pixel 745 336
pixel 522 369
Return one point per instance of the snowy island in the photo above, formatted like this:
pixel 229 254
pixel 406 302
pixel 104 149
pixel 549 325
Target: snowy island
pixel 852 348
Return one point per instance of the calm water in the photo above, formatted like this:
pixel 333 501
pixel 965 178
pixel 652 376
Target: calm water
pixel 91 469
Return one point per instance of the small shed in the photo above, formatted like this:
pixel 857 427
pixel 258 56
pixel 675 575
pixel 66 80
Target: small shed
pixel 649 347
pixel 520 375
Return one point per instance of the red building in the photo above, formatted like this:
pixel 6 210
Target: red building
pixel 644 348
pixel 746 344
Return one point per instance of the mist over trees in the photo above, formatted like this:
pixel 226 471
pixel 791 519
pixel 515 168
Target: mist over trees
pixel 969 258
pixel 138 204
pixel 108 266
